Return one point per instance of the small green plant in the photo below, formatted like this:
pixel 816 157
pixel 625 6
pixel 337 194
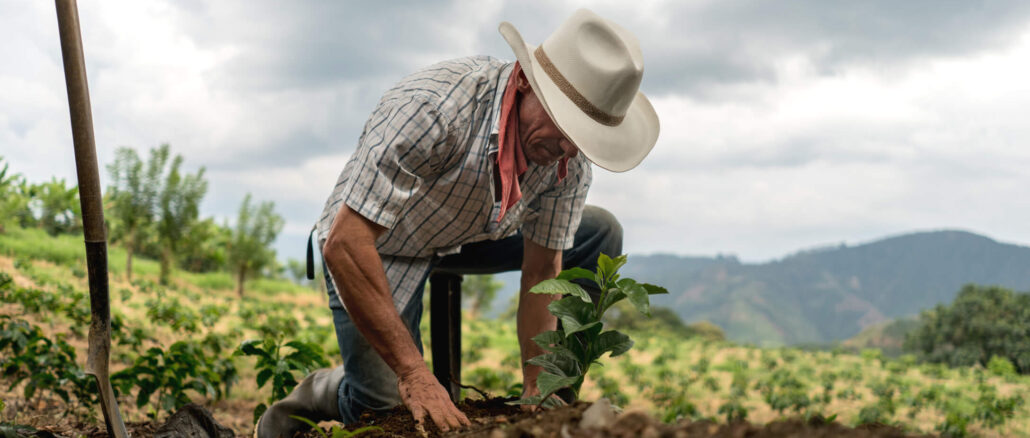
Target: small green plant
pixel 782 390
pixel 955 425
pixel 170 373
pixel 45 365
pixel 581 340
pixel 734 410
pixel 336 431
pixel 276 365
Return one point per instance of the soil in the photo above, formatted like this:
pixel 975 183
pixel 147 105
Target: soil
pixel 495 419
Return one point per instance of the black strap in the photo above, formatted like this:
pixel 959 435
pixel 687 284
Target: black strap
pixel 311 255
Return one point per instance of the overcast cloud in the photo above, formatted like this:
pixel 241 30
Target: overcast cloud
pixel 785 124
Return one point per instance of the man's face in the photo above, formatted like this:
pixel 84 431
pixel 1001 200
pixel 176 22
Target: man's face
pixel 542 142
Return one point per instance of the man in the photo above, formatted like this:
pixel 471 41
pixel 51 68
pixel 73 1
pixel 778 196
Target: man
pixel 470 166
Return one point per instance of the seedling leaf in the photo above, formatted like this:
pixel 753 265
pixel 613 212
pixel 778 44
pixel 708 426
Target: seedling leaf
pixel 549 383
pixel 613 341
pixel 575 315
pixel 562 287
pixel 575 274
pixel 654 290
pixel 637 295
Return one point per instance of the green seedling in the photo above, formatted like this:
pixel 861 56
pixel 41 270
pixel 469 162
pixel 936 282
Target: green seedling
pixel 275 364
pixel 336 431
pixel 581 340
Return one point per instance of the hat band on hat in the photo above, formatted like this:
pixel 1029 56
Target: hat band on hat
pixel 570 91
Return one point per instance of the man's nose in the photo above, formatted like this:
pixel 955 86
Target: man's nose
pixel 570 150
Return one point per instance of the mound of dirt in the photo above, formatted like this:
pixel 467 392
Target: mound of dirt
pixel 494 419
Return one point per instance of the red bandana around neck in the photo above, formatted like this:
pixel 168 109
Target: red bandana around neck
pixel 511 163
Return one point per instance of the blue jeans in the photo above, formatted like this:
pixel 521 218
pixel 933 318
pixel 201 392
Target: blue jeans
pixel 369 384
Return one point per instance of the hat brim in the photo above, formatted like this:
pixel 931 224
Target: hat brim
pixel 615 148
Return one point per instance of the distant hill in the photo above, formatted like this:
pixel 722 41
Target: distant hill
pixel 888 336
pixel 831 294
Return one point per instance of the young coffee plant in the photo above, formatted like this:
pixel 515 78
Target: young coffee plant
pixel 581 340
pixel 275 365
pixel 47 366
pixel 337 431
pixel 169 373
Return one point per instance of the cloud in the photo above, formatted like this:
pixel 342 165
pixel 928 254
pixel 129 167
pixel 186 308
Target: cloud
pixel 784 124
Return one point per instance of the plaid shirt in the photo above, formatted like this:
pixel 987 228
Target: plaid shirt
pixel 424 167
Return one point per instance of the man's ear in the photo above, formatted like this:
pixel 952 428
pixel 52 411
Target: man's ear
pixel 522 84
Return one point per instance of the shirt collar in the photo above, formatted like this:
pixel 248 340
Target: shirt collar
pixel 495 124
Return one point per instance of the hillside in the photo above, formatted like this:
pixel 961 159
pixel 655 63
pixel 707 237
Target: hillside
pixel 679 381
pixel 831 294
pixel 887 336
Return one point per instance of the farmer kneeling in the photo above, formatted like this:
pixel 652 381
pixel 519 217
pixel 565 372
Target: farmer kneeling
pixel 470 166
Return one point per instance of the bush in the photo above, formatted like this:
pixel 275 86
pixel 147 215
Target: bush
pixel 982 322
pixel 1000 366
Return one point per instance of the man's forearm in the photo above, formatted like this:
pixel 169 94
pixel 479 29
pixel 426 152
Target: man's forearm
pixel 538 264
pixel 365 292
pixel 533 318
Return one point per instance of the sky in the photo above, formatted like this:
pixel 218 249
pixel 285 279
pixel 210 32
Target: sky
pixel 786 125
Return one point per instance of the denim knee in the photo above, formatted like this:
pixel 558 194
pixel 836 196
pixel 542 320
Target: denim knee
pixel 599 232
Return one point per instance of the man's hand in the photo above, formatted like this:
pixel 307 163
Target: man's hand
pixel 423 394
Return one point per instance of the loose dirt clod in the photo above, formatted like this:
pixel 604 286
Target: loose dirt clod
pixel 192 421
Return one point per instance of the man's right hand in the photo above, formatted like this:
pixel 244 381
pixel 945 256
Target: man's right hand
pixel 423 394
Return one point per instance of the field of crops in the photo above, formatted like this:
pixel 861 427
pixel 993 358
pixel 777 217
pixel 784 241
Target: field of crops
pixel 191 340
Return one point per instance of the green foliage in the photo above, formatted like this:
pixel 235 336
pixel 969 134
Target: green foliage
pixel 782 390
pixel 581 340
pixel 250 248
pixel 178 205
pixel 35 244
pixel 52 205
pixel 132 198
pixel 45 365
pixel 13 200
pixel 336 431
pixel 186 365
pixel 58 207
pixel 1000 366
pixel 955 425
pixel 982 322
pixel 278 361
pixel 205 248
pixel 992 410
pixel 171 312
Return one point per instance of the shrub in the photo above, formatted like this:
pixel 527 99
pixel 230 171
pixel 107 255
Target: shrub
pixel 982 322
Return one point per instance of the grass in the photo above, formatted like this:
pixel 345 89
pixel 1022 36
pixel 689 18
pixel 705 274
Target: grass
pixel 37 244
pixel 670 377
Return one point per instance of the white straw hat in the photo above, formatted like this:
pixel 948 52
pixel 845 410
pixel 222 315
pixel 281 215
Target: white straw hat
pixel 587 76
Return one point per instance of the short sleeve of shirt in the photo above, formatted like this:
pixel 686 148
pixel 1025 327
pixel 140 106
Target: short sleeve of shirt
pixel 394 156
pixel 553 218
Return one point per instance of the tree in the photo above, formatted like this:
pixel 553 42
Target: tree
pixel 14 201
pixel 133 194
pixel 204 248
pixel 982 322
pixel 480 291
pixel 178 209
pixel 250 249
pixel 59 207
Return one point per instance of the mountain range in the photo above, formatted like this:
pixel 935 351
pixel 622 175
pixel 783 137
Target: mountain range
pixel 828 294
